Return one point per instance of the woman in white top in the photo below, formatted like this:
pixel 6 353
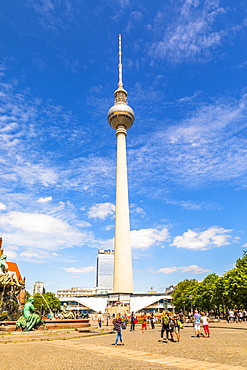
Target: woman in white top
pixel 204 321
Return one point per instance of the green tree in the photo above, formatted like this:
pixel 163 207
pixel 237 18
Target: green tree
pixel 215 292
pixel 183 295
pixel 235 282
pixel 46 302
pixel 205 298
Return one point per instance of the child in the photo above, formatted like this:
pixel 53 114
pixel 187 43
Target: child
pixel 144 322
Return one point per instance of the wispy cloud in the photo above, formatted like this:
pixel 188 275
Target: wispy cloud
pixel 80 270
pixel 193 269
pixel 53 13
pixel 207 146
pixel 203 240
pixel 192 33
pixel 194 206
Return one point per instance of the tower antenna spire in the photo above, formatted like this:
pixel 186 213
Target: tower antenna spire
pixel 120 66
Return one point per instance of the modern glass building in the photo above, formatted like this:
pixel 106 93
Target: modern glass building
pixel 104 271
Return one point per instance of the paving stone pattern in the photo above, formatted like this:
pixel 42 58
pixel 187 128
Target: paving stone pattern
pixel 225 350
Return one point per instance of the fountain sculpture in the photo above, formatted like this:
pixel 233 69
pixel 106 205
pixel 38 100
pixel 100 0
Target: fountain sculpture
pixel 12 286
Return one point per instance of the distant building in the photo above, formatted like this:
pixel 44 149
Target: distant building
pixel 38 288
pixel 170 289
pixel 81 292
pixel 104 270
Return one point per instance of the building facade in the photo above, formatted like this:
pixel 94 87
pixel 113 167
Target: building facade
pixel 38 288
pixel 105 268
pixel 81 292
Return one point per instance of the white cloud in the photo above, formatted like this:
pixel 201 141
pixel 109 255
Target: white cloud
pixel 146 238
pixel 142 239
pixel 32 255
pixel 80 270
pixel 101 210
pixel 11 254
pixel 3 207
pixel 193 269
pixel 204 240
pixel 83 224
pixel 37 231
pixel 244 245
pixel 44 200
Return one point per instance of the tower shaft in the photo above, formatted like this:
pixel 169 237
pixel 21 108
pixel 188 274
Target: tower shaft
pixel 123 279
pixel 121 117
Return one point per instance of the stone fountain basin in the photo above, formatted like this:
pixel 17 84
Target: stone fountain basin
pixel 50 324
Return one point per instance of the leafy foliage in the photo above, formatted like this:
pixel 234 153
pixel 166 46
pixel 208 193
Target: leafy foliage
pixel 215 292
pixel 46 302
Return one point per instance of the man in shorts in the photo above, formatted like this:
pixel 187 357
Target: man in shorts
pixel 197 321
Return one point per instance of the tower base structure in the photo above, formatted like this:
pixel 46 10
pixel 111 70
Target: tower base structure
pixel 123 303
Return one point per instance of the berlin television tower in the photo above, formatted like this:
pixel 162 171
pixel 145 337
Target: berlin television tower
pixel 121 117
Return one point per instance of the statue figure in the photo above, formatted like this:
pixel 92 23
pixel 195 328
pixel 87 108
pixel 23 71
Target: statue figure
pixel 66 314
pixel 30 320
pixel 7 276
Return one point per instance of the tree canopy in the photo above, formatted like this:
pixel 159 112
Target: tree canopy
pixel 214 292
pixel 46 302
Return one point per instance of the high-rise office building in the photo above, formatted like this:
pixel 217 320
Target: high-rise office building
pixel 38 287
pixel 104 271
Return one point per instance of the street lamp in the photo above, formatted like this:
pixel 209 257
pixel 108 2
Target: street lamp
pixel 191 307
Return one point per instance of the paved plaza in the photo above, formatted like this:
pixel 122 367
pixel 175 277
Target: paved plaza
pixel 226 349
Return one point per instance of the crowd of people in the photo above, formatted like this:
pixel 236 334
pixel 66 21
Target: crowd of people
pixel 171 325
pixel 236 315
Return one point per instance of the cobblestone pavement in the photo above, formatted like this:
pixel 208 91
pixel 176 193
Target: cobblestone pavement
pixel 226 349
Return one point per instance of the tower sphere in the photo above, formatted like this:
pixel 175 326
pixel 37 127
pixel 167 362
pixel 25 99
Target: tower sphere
pixel 121 114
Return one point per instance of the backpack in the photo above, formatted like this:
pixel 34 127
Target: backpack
pixel 165 320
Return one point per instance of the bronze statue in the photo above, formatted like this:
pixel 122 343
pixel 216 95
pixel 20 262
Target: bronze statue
pixel 30 320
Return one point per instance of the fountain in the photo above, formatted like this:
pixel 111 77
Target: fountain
pixel 15 313
pixel 12 287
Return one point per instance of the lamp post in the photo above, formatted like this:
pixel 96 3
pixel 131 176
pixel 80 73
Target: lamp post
pixel 191 307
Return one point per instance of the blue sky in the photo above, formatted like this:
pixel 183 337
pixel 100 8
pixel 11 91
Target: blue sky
pixel 185 70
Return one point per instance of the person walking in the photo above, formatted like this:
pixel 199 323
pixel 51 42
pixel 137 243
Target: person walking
pixel 177 326
pixel 171 326
pixel 152 320
pixel 204 321
pixel 100 319
pixel 132 321
pixel 181 317
pixel 118 323
pixel 164 325
pixel 197 321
